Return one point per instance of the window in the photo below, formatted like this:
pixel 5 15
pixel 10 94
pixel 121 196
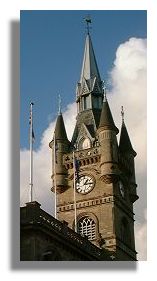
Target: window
pixel 87 226
pixel 86 144
pixel 97 102
pixel 86 102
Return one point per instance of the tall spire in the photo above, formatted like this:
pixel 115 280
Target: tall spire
pixel 89 66
pixel 89 91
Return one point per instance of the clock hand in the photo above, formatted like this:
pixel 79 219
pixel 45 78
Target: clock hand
pixel 86 182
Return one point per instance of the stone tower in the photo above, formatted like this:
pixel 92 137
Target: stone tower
pixel 105 187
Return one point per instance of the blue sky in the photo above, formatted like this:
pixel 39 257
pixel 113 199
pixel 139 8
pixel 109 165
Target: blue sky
pixel 51 53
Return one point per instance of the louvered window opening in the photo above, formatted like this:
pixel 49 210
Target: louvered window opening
pixel 87 227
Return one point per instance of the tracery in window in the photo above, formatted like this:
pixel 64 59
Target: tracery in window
pixel 84 143
pixel 87 226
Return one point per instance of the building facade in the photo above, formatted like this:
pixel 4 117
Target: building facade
pixel 44 238
pixel 103 183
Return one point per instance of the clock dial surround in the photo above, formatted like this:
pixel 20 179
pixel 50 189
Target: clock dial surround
pixel 84 184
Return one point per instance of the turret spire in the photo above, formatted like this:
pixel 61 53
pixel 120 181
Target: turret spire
pixel 125 145
pixel 106 119
pixel 60 132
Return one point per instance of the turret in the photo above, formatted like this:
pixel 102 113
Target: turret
pixel 107 132
pixel 127 155
pixel 61 142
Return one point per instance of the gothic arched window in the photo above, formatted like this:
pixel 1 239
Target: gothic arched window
pixel 87 226
pixel 84 143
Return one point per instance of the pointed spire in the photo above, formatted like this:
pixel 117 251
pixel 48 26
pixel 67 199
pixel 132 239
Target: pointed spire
pixel 106 119
pixel 60 132
pixel 89 66
pixel 125 145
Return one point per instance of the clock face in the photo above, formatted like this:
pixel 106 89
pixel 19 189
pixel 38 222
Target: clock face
pixel 84 184
pixel 121 188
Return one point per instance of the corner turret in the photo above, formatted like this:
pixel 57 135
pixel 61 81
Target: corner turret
pixel 62 144
pixel 126 159
pixel 107 132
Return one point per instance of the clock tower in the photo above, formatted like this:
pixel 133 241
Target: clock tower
pixel 102 196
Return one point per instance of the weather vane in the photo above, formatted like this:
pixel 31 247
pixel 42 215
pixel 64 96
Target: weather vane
pixel 88 22
pixel 122 113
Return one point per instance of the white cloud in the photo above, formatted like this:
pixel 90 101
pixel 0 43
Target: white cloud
pixel 128 79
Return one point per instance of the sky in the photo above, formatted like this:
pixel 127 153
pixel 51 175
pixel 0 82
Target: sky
pixel 51 53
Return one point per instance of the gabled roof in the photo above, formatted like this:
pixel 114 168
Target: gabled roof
pixel 90 118
pixel 86 131
pixel 106 119
pixel 125 145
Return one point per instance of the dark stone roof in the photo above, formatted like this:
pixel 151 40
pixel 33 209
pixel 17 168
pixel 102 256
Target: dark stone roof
pixel 60 132
pixel 125 145
pixel 89 66
pixel 91 130
pixel 106 119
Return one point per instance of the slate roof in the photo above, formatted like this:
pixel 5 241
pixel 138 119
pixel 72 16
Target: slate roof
pixel 89 66
pixel 60 131
pixel 125 145
pixel 106 119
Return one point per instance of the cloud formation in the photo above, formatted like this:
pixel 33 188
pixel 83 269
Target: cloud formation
pixel 128 80
pixel 129 88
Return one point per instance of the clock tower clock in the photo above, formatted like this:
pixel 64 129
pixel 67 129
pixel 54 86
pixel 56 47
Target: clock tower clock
pixel 105 187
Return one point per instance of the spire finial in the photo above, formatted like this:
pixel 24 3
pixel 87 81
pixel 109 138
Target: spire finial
pixel 122 113
pixel 88 22
pixel 59 104
pixel 104 89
